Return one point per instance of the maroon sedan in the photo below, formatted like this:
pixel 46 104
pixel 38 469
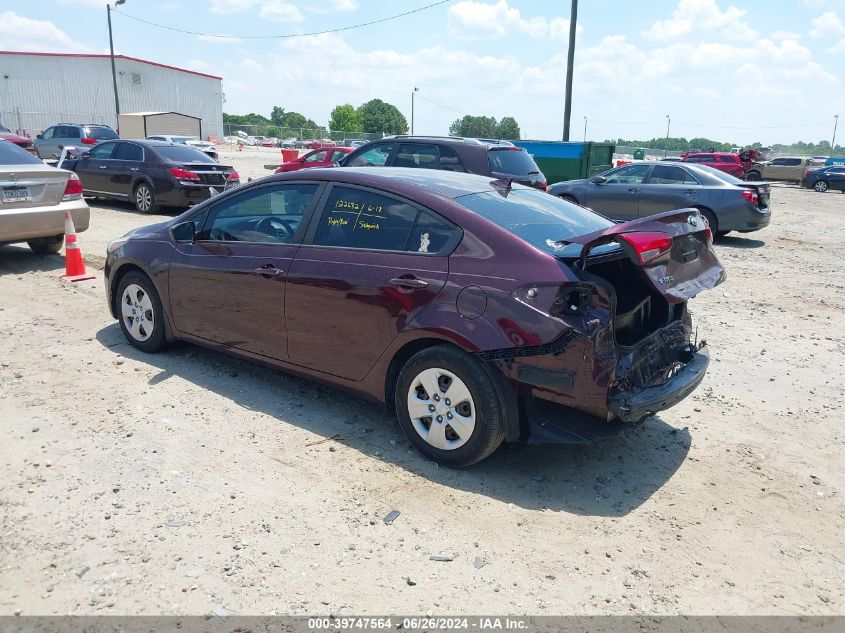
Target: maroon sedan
pixel 21 141
pixel 480 311
pixel 316 158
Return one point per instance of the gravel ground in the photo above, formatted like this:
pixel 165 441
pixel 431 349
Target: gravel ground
pixel 184 482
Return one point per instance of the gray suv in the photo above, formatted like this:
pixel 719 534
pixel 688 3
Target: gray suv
pixel 80 135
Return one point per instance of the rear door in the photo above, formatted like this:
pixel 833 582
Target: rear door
pixel 673 249
pixel 123 167
pixel 370 263
pixel 836 178
pixel 668 187
pixel 618 197
pixel 228 287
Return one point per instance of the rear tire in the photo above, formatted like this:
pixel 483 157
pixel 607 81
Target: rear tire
pixel 455 433
pixel 821 186
pixel 144 199
pixel 753 176
pixel 140 312
pixel 46 245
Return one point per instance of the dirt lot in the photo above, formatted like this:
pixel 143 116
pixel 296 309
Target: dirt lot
pixel 187 481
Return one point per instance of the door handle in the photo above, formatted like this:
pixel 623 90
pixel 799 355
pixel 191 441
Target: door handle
pixel 408 282
pixel 689 192
pixel 268 271
pixel 633 190
pixel 133 169
pixel 103 166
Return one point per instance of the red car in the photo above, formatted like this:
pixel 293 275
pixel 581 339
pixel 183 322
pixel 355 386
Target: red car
pixel 21 141
pixel 318 144
pixel 317 158
pixel 723 161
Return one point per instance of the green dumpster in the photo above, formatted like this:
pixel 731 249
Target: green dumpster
pixel 560 160
pixel 639 153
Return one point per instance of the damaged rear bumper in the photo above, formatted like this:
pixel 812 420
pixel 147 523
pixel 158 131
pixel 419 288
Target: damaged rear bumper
pixel 634 405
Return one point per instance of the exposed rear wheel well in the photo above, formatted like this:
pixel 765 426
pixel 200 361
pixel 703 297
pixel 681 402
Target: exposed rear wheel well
pixel 711 218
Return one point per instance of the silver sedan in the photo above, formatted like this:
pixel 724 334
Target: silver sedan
pixel 34 198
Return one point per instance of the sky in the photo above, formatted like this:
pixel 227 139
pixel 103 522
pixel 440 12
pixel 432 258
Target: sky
pixel 753 70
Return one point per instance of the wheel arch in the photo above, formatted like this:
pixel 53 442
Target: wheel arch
pixel 114 281
pixel 707 211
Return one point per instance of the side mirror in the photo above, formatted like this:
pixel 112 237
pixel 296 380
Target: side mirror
pixel 85 155
pixel 184 232
pixel 41 136
pixel 598 180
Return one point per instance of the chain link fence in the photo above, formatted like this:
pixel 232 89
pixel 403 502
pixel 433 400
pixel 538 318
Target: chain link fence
pixel 33 123
pixel 274 136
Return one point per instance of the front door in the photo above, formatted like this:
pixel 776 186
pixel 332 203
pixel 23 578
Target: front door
pixel 373 263
pixel 668 187
pixel 229 286
pixel 619 196
pixel 92 170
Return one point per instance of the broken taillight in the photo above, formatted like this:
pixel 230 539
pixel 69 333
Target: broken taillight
pixel 648 245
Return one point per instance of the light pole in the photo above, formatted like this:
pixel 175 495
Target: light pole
pixel 413 92
pixel 113 71
pixel 666 149
pixel 585 129
pixel 833 142
pixel 570 62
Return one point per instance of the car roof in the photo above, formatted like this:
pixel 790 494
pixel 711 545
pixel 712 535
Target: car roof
pixel 712 154
pixel 443 184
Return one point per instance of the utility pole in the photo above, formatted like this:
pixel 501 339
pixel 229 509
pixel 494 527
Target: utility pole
pixel 666 149
pixel 585 129
pixel 833 142
pixel 570 62
pixel 113 71
pixel 414 91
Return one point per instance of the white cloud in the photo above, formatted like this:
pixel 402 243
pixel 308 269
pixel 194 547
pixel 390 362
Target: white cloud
pixel 19 33
pixel 94 4
pixel 827 25
pixel 472 20
pixel 702 16
pixel 839 47
pixel 227 7
pixel 343 5
pixel 280 11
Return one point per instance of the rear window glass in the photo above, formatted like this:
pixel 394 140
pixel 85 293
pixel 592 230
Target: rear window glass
pixel 534 216
pixel 512 161
pixel 102 133
pixel 182 154
pixel 11 154
pixel 721 175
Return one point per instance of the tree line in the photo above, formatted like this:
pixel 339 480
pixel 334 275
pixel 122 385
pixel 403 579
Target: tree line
pixel 681 144
pixel 373 117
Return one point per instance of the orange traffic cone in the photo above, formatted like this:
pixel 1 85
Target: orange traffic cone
pixel 74 266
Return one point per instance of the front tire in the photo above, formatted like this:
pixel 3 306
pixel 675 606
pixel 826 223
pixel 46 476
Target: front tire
pixel 448 406
pixel 821 186
pixel 144 198
pixel 140 312
pixel 46 245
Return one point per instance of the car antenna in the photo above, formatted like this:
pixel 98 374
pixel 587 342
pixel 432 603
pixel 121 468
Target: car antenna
pixel 503 184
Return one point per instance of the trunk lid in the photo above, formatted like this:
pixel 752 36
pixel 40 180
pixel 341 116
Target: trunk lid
pixel 210 174
pixel 25 186
pixel 763 190
pixel 673 250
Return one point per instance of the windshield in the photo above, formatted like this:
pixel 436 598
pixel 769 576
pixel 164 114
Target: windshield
pixel 721 175
pixel 182 154
pixel 11 154
pixel 534 216
pixel 510 160
pixel 182 139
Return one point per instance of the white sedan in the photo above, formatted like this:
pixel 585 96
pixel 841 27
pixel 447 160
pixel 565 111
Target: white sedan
pixel 206 147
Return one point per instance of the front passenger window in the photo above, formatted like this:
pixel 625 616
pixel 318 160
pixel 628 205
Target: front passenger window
pixel 373 157
pixel 630 175
pixel 268 214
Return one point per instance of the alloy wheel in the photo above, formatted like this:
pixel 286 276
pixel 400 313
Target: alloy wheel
pixel 143 198
pixel 820 186
pixel 136 309
pixel 441 408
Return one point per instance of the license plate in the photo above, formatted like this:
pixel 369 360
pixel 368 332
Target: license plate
pixel 16 195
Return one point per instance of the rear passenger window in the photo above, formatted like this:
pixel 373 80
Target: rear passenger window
pixel 727 159
pixel 664 175
pixel 418 156
pixel 358 218
pixel 129 151
pixel 449 160
pixel 373 157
